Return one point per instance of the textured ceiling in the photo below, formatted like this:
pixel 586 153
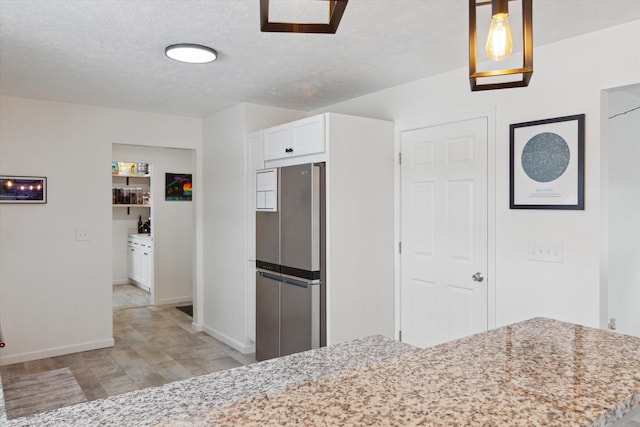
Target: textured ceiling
pixel 111 52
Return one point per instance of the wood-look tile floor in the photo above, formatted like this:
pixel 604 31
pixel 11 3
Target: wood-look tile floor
pixel 154 345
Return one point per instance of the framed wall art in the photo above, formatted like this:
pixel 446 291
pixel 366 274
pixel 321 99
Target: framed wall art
pixel 23 189
pixel 178 186
pixel 547 164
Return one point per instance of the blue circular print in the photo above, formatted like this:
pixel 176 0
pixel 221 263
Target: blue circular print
pixel 545 157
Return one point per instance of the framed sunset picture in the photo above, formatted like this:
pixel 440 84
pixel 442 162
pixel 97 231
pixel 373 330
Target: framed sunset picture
pixel 178 187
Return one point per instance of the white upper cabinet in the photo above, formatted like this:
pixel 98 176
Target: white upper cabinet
pixel 299 138
pixel 308 136
pixel 277 142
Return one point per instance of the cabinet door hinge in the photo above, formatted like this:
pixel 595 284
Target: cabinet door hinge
pixel 399 247
pixel 400 158
pixel 400 336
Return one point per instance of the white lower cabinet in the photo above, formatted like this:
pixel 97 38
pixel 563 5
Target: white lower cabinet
pixel 140 261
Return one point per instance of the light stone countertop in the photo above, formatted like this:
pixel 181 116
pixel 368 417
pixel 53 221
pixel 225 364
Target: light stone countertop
pixel 183 399
pixel 539 372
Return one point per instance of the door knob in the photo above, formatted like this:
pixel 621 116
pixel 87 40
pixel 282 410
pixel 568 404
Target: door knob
pixel 478 277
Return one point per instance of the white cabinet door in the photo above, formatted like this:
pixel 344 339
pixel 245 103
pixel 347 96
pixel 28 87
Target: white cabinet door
pixel 308 136
pixel 299 138
pixel 277 142
pixel 131 260
pixel 134 263
pixel 145 267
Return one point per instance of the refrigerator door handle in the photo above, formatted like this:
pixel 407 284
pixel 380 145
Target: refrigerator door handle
pixel 271 276
pixel 303 283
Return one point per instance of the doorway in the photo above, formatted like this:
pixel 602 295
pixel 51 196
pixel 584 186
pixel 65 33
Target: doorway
pixel 444 280
pixel 169 241
pixel 621 203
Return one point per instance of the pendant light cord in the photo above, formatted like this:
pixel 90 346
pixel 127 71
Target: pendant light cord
pixel 625 112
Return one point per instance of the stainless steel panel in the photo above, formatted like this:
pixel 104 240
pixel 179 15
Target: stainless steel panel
pixel 296 320
pixel 268 237
pixel 299 220
pixel 267 318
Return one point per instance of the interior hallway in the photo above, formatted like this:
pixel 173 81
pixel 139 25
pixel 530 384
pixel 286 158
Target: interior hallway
pixel 153 346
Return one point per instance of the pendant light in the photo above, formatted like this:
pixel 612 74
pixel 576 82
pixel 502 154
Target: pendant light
pixel 335 10
pixel 499 46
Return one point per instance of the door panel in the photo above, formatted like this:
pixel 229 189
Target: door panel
pixel 461 310
pixel 443 232
pixel 460 214
pixel 421 325
pixel 267 318
pixel 295 320
pixel 268 237
pixel 296 205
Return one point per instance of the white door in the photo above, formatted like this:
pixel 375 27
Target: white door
pixel 444 232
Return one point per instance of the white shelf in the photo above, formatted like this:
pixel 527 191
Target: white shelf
pixel 114 175
pixel 120 205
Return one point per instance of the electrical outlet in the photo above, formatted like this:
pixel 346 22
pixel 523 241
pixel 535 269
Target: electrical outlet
pixel 82 235
pixel 546 252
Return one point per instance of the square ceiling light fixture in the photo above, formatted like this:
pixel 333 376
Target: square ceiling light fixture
pixel 298 16
pixel 491 65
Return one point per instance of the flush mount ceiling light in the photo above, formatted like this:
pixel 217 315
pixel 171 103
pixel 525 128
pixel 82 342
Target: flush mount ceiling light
pixel 191 53
pixel 484 71
pixel 335 10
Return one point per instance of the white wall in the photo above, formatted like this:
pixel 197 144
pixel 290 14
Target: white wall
pixel 623 147
pixel 172 223
pixel 55 292
pixel 360 247
pixel 564 82
pixel 225 217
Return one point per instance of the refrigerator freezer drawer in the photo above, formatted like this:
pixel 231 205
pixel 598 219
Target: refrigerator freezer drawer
pixel 287 315
pixel 267 318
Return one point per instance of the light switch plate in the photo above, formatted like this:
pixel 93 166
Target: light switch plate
pixel 546 251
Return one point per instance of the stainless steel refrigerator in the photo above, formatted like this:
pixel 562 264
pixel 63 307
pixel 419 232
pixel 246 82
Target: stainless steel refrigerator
pixel 290 276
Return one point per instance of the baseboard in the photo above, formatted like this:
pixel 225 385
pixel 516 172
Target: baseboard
pixel 53 352
pixel 241 347
pixel 177 300
pixel 120 282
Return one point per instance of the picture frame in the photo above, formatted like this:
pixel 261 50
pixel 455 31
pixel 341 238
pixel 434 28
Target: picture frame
pixel 546 164
pixel 178 187
pixel 23 189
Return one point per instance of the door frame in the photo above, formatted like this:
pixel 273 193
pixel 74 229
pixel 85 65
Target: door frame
pixel 491 277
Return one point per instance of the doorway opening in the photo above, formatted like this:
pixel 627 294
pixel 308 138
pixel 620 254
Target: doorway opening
pixel 620 204
pixel 153 241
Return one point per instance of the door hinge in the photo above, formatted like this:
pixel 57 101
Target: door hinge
pixel 400 336
pixel 399 158
pixel 399 247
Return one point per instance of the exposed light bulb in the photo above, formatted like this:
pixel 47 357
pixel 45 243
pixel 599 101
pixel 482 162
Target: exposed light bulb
pixel 499 43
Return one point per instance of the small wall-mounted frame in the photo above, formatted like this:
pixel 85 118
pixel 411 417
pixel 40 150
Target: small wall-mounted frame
pixel 178 186
pixel 547 164
pixel 23 189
